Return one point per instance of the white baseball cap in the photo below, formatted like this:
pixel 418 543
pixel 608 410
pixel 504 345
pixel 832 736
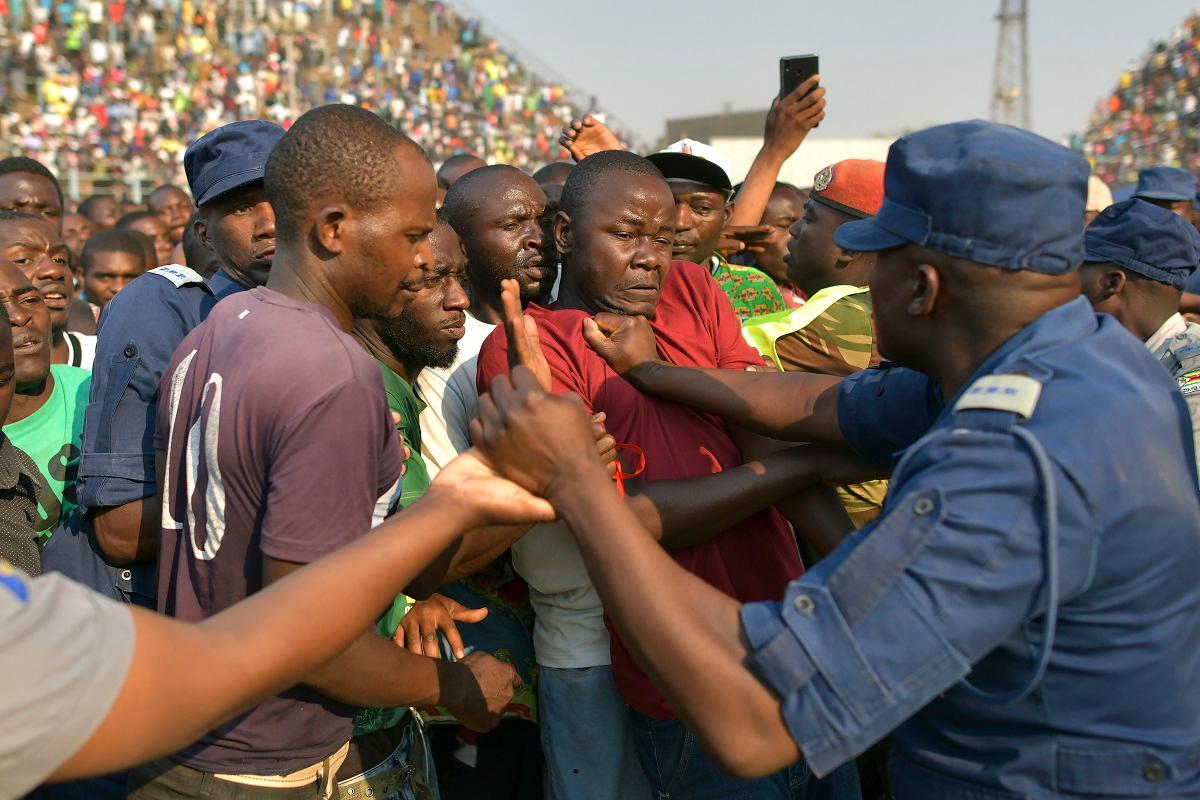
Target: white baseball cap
pixel 690 160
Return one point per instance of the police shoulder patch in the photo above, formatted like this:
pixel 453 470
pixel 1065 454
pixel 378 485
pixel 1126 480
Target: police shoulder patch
pixel 1015 393
pixel 177 274
pixel 1189 382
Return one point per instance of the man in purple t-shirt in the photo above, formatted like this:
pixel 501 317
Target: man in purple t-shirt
pixel 277 442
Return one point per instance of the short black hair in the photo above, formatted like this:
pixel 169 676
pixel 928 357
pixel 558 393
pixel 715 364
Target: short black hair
pixel 338 150
pixel 553 172
pixel 452 162
pixel 92 200
pixel 135 216
pixel 117 240
pixel 33 167
pixel 166 187
pixel 462 200
pixel 590 173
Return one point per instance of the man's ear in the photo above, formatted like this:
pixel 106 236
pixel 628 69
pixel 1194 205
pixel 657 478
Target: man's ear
pixel 200 228
pixel 562 233
pixel 926 285
pixel 331 227
pixel 1113 283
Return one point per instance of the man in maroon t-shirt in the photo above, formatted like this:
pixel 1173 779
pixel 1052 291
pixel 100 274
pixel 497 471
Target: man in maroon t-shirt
pixel 277 441
pixel 614 231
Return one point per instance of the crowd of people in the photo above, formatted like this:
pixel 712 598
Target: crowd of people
pixel 337 475
pixel 114 92
pixel 1151 116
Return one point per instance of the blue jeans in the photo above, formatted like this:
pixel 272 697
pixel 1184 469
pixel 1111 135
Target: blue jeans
pixel 586 738
pixel 679 769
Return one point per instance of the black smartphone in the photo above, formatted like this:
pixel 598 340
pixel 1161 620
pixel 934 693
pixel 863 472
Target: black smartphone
pixel 795 70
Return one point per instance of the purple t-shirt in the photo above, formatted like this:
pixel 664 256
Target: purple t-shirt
pixel 278 442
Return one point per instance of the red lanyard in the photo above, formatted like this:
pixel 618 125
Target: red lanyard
pixel 621 475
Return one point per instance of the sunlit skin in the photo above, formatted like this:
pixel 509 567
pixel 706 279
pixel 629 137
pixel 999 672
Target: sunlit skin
pixel 32 194
pixel 699 219
pixel 34 247
pixel 103 212
pixel 619 249
pixel 109 273
pixel 173 207
pixel 76 230
pixel 30 325
pixel 156 229
pixel 239 228
pixel 784 209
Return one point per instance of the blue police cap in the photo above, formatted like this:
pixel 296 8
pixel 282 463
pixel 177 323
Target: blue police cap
pixel 1143 238
pixel 985 192
pixel 1165 183
pixel 229 157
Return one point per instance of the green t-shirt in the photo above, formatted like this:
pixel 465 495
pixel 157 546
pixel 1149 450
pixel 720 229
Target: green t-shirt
pixel 403 400
pixel 53 437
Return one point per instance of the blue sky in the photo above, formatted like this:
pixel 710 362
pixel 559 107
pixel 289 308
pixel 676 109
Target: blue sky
pixel 888 65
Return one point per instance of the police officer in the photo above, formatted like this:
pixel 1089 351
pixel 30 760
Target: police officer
pixel 140 330
pixel 1024 615
pixel 1171 188
pixel 1137 260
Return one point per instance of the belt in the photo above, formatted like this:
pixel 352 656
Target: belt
pixel 324 772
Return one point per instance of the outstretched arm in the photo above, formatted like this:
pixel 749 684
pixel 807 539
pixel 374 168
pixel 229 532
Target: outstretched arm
pixel 297 624
pixel 788 124
pixel 684 622
pixel 789 406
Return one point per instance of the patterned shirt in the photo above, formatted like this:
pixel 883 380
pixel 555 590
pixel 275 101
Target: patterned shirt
pixel 751 291
pixel 19 489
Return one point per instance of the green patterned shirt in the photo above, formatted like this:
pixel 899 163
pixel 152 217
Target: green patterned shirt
pixel 751 291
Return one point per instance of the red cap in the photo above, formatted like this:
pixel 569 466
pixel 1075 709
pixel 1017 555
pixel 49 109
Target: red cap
pixel 853 186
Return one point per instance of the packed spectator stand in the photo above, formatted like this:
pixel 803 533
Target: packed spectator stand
pixel 1150 117
pixel 110 94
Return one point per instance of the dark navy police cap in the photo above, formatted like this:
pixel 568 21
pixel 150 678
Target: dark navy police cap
pixel 985 192
pixel 1143 238
pixel 1165 183
pixel 229 157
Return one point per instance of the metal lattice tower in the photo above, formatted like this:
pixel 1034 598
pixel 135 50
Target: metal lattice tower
pixel 1010 82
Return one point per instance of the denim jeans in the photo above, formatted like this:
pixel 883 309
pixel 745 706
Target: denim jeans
pixel 679 769
pixel 586 738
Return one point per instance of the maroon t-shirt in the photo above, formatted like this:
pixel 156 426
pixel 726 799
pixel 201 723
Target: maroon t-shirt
pixel 278 442
pixel 694 326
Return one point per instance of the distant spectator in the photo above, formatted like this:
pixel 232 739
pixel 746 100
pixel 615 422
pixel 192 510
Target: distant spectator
pixel 77 229
pixel 102 209
pixel 111 259
pixel 174 207
pixel 150 224
pixel 26 185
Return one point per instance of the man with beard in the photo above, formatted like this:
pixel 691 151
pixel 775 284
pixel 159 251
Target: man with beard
pixel 502 217
pixel 173 207
pixel 46 418
pixel 708 501
pixel 297 462
pixel 32 243
pixel 112 544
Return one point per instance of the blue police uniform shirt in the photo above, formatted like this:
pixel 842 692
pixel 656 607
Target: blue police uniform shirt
pixel 138 333
pixel 953 579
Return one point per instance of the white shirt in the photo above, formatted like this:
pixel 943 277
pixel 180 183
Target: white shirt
pixel 568 630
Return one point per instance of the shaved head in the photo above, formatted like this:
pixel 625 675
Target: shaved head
pixel 454 168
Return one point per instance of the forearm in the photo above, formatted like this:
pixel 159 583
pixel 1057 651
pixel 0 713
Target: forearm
pixel 791 406
pixel 297 624
pixel 128 534
pixel 464 558
pixel 756 190
pixel 375 672
pixel 684 633
pixel 818 518
pixel 684 513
